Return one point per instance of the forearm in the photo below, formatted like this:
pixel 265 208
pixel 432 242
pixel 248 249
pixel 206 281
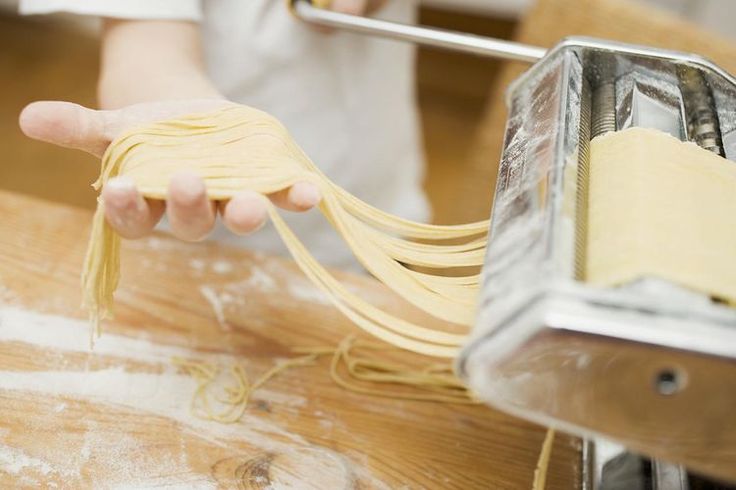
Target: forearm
pixel 144 61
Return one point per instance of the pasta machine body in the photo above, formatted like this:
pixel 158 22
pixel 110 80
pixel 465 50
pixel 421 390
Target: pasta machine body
pixel 650 364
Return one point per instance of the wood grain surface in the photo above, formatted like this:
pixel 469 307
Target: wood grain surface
pixel 118 416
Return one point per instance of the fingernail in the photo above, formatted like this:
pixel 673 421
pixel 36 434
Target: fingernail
pixel 189 188
pixel 122 183
pixel 128 203
pixel 309 194
pixel 313 194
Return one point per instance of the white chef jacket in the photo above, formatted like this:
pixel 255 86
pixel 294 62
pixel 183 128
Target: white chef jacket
pixel 347 99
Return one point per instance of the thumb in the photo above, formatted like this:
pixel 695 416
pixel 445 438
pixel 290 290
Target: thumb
pixel 65 124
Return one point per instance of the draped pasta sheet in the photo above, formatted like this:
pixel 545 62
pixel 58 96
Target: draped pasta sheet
pixel 237 148
pixel 662 208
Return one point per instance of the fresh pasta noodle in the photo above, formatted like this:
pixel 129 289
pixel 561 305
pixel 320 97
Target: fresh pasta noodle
pixel 230 403
pixel 369 375
pixel 222 395
pixel 366 374
pixel 540 472
pixel 237 148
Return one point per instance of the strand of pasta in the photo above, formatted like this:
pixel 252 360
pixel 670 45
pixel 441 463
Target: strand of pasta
pixel 238 392
pixel 540 472
pixel 431 383
pixel 371 319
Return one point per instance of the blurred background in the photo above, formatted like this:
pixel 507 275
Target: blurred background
pixel 463 116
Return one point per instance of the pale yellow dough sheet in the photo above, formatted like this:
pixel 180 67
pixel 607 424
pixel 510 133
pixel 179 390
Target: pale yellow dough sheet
pixel 662 208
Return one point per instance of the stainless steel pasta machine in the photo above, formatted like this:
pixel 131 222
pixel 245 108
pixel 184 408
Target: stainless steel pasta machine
pixel 649 365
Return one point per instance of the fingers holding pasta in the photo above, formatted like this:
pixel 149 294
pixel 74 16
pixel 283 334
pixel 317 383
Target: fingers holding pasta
pixel 127 211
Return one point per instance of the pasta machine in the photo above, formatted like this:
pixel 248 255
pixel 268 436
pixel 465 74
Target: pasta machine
pixel 649 365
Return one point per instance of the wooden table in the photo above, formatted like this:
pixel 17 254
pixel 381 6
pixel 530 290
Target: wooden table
pixel 119 415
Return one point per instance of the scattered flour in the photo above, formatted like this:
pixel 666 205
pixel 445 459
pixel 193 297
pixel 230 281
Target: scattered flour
pixel 277 397
pixel 153 265
pixel 70 334
pixel 217 304
pixel 218 266
pixel 219 297
pixel 259 279
pixel 222 267
pixel 306 291
pixel 15 461
pixel 197 264
pixel 159 243
pixel 167 395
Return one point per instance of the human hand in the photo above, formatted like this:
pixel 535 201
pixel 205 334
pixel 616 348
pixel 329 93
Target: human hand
pixel 191 214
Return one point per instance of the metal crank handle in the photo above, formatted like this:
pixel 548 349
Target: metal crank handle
pixel 439 38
